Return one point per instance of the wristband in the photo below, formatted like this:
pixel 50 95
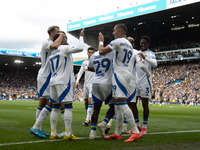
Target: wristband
pixel 101 43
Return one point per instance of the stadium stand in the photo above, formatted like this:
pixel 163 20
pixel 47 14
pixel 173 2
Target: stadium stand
pixel 175 40
pixel 18 86
pixel 177 81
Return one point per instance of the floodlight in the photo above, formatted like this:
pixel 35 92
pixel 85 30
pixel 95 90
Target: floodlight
pixel 18 61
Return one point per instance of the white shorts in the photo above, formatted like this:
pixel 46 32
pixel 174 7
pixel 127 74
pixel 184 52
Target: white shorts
pixel 87 92
pixel 102 92
pixel 120 84
pixel 144 90
pixel 62 93
pixel 43 86
pixel 132 92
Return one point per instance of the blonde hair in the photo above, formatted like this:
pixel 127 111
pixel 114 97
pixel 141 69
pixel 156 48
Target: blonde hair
pixel 130 39
pixel 51 28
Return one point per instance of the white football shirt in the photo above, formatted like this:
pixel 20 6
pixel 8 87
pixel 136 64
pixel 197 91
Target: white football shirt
pixel 150 61
pixel 61 63
pixel 123 52
pixel 45 53
pixel 88 74
pixel 133 63
pixel 103 67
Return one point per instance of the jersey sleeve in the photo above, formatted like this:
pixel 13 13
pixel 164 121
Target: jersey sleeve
pixel 75 49
pixel 46 45
pixel 113 44
pixel 152 60
pixel 140 63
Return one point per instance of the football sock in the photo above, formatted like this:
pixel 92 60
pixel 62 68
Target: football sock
pixel 137 121
pixel 145 122
pixel 118 119
pixel 125 124
pixel 93 127
pixel 129 117
pixel 110 122
pixel 62 111
pixel 43 115
pixel 106 120
pixel 39 108
pixel 53 120
pixel 89 112
pixel 68 119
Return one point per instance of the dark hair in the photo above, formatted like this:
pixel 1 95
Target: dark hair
pixel 146 38
pixel 55 37
pixel 91 48
pixel 122 26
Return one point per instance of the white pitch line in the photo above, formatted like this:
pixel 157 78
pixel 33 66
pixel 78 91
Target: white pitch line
pixel 27 142
pixel 40 141
pixel 175 132
pixel 173 116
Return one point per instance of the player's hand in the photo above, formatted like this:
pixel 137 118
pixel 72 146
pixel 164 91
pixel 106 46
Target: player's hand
pixel 61 34
pixel 76 75
pixel 77 84
pixel 141 55
pixel 101 37
pixel 82 32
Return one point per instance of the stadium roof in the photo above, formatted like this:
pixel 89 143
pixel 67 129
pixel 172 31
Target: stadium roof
pixel 154 24
pixel 8 62
pixel 26 59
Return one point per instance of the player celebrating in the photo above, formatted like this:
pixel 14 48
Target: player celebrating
pixel 144 84
pixel 61 85
pixel 101 89
pixel 135 61
pixel 87 90
pixel 43 79
pixel 122 75
pixel 125 123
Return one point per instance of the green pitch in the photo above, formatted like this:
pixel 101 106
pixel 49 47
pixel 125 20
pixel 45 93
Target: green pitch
pixel 169 127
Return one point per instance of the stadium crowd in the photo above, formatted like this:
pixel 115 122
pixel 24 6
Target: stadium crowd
pixel 78 93
pixel 18 86
pixel 177 83
pixel 174 82
pixel 171 82
pixel 24 86
pixel 165 80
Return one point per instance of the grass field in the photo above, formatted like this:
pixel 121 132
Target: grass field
pixel 170 127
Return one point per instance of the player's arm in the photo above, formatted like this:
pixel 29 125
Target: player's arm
pixel 80 73
pixel 79 47
pixel 152 61
pixel 103 50
pixel 140 63
pixel 57 42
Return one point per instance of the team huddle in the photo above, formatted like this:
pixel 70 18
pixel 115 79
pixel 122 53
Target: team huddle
pixel 116 74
